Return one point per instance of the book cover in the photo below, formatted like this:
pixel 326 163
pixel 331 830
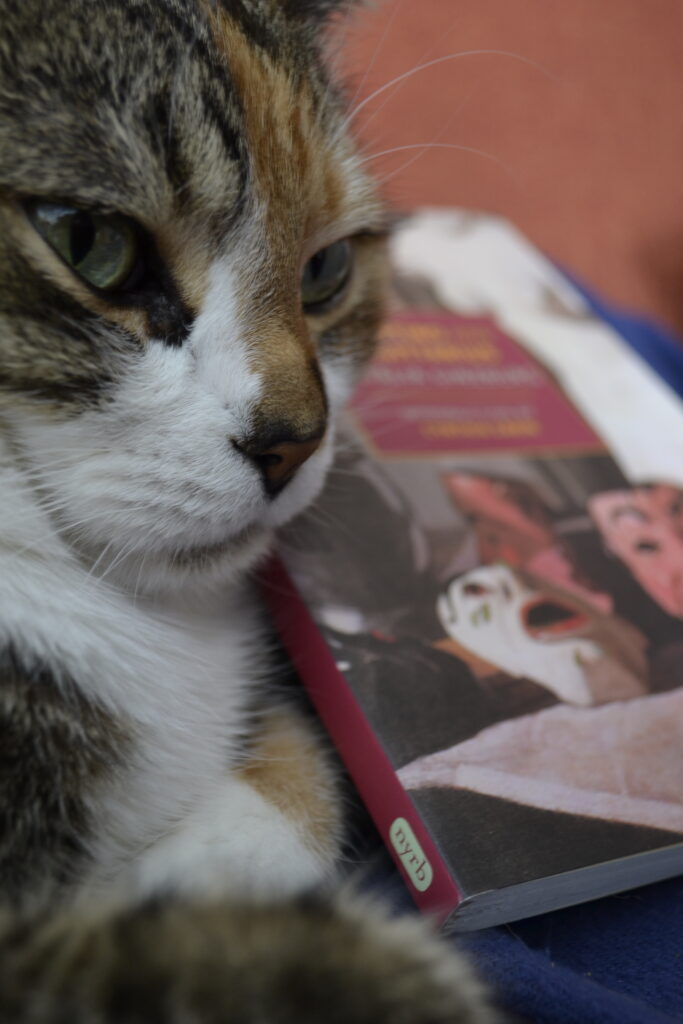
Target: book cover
pixel 486 603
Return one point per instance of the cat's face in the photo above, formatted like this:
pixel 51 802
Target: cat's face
pixel 191 272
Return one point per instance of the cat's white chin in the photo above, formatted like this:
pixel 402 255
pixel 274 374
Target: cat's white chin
pixel 197 567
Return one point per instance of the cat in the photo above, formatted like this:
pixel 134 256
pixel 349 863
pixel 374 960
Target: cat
pixel 192 268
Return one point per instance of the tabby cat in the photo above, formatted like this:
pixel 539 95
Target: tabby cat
pixel 191 274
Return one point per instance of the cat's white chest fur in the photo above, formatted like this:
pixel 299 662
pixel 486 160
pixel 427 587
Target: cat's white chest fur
pixel 180 675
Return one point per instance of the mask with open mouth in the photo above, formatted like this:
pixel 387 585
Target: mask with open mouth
pixel 528 630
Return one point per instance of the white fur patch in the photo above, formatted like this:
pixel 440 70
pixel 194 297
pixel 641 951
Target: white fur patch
pixel 221 357
pixel 235 842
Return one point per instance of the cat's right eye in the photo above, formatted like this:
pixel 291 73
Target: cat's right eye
pixel 325 276
pixel 101 248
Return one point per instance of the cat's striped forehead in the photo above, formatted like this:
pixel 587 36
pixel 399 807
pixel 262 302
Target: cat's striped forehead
pixel 156 104
pixel 210 122
pixel 304 181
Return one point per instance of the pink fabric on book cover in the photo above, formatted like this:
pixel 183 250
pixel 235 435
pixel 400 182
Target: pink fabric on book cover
pixel 612 762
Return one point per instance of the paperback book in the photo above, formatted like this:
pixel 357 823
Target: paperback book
pixel 486 603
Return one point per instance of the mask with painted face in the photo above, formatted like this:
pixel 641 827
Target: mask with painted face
pixel 511 523
pixel 643 527
pixel 528 629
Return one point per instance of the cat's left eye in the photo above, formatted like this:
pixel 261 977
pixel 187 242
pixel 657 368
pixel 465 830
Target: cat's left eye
pixel 326 275
pixel 100 248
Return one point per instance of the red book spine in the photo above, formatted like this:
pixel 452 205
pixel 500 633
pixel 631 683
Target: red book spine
pixel 399 824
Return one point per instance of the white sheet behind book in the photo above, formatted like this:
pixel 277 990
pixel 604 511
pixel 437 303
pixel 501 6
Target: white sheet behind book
pixel 480 265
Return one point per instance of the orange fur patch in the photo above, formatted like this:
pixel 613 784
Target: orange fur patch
pixel 289 769
pixel 297 193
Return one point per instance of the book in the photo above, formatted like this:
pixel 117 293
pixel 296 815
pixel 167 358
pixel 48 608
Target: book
pixel 486 603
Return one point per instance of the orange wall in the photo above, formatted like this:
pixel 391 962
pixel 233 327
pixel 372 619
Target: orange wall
pixel 583 128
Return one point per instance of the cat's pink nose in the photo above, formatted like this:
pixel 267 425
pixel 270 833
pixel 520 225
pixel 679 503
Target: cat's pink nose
pixel 279 462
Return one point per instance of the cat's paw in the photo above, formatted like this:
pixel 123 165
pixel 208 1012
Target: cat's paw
pixel 269 830
pixel 235 843
pixel 298 963
pixel 378 968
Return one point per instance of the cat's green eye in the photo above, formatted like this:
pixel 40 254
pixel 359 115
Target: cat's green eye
pixel 100 248
pixel 326 274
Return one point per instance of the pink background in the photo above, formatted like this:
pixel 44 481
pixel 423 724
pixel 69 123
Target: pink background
pixel 588 134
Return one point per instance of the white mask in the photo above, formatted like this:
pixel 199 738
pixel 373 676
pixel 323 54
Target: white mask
pixel 492 613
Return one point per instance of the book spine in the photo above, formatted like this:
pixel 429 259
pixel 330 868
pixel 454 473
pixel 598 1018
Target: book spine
pixel 407 839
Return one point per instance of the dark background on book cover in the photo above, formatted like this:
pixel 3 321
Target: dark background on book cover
pixel 494 843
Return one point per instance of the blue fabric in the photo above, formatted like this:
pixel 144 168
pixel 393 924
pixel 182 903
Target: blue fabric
pixel 617 960
pixel 656 346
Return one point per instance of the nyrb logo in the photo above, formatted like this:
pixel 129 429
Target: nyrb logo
pixel 416 865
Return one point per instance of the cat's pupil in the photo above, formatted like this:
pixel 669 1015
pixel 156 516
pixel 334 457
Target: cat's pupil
pixel 101 248
pixel 81 237
pixel 317 264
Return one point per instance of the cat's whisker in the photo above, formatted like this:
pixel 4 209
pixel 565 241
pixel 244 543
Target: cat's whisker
pixel 67 532
pixel 426 54
pixel 59 505
pixel 93 568
pixel 57 465
pixel 38 543
pixel 315 515
pixel 442 60
pixel 361 408
pixel 371 63
pixel 345 446
pixel 424 146
pixel 139 543
pixel 342 471
pixel 125 551
pixel 437 138
pixel 323 517
pixel 138 578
